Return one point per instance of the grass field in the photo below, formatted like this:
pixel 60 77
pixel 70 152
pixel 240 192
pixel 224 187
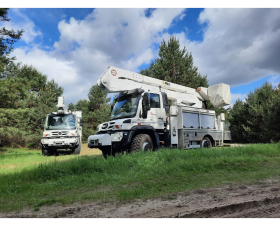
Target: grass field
pixel 28 179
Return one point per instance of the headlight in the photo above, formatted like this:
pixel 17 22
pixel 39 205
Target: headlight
pixel 117 136
pixel 44 141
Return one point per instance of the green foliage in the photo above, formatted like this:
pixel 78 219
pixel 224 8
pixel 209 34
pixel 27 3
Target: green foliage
pixel 96 97
pixel 26 96
pixel 175 65
pixel 256 120
pixel 7 39
pixel 95 111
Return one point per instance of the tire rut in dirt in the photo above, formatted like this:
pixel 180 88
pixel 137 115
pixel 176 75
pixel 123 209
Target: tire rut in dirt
pixel 250 209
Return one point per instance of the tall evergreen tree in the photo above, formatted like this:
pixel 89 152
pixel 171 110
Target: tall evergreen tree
pixel 255 119
pixel 94 111
pixel 175 65
pixel 26 96
pixel 96 97
pixel 7 39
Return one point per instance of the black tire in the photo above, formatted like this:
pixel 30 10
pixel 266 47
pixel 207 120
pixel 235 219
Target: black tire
pixel 206 143
pixel 141 142
pixel 106 151
pixel 77 150
pixel 47 152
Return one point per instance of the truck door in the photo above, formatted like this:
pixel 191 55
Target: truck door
pixel 155 114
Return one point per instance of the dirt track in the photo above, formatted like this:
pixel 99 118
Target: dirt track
pixel 261 200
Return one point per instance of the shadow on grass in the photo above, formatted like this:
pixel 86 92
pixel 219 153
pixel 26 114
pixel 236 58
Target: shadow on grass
pixel 3 150
pixel 68 152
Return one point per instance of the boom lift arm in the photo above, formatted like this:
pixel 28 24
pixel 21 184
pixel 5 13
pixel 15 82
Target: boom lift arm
pixel 118 80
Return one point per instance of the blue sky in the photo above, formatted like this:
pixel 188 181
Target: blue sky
pixel 73 46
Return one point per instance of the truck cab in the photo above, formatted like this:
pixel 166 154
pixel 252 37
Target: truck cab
pixel 62 130
pixel 135 112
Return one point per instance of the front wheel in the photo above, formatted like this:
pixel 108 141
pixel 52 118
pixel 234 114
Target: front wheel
pixel 47 152
pixel 206 143
pixel 107 151
pixel 141 142
pixel 77 150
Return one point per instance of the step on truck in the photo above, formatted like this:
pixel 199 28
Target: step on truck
pixel 62 131
pixel 142 118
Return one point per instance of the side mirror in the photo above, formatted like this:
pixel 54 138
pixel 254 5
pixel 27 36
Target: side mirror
pixel 81 120
pixel 165 101
pixel 41 122
pixel 146 100
pixel 81 124
pixel 145 105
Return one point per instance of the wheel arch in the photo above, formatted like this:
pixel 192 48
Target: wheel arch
pixel 147 130
pixel 211 139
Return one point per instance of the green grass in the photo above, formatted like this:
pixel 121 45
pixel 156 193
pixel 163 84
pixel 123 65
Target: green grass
pixel 128 177
pixel 12 160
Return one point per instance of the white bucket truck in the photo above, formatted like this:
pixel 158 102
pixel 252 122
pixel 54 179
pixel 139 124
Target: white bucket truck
pixel 142 118
pixel 62 130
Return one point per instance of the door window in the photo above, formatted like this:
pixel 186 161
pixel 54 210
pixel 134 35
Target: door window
pixel 154 101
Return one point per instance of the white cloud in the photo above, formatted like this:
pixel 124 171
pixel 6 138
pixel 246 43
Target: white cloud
pixel 274 80
pixel 106 37
pixel 61 71
pixel 239 45
pixel 235 96
pixel 30 32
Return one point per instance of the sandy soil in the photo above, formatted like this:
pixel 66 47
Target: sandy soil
pixel 260 200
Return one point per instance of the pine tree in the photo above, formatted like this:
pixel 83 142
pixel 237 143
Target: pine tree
pixel 256 119
pixel 95 111
pixel 26 96
pixel 7 39
pixel 96 97
pixel 238 119
pixel 175 65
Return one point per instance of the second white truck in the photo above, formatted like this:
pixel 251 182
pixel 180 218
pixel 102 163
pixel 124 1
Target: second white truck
pixel 62 130
pixel 142 118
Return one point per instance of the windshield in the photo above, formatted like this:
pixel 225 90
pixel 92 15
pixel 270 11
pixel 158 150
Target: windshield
pixel 59 122
pixel 126 106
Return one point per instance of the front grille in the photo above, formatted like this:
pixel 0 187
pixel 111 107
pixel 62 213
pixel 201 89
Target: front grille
pixel 59 133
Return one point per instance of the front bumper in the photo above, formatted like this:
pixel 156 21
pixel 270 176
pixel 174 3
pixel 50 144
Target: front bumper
pixel 106 140
pixel 60 142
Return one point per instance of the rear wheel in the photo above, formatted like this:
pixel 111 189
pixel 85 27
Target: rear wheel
pixel 206 143
pixel 141 142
